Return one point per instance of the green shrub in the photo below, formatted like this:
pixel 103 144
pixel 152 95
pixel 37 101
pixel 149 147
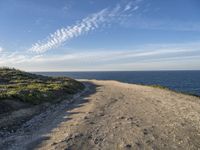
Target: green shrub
pixel 35 89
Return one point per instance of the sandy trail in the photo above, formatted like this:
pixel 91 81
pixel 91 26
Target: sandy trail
pixel 113 115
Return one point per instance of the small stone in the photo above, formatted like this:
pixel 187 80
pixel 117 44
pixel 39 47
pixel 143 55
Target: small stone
pixel 85 117
pixel 130 118
pixel 145 131
pixel 101 114
pixel 122 117
pixel 138 144
pixel 128 146
pixel 76 135
pixel 91 122
pixel 97 140
pixel 54 143
pixel 137 125
pixel 89 136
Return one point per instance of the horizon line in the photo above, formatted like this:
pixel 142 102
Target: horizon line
pixel 116 70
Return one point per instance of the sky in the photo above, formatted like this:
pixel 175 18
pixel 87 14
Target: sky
pixel 100 35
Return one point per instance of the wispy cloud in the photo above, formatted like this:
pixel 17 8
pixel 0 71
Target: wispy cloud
pixel 1 49
pixel 108 59
pixel 128 7
pixel 87 24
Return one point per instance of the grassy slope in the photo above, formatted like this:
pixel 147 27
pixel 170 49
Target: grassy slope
pixel 166 88
pixel 35 89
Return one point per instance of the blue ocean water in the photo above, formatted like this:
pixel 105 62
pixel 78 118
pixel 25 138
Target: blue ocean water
pixel 182 81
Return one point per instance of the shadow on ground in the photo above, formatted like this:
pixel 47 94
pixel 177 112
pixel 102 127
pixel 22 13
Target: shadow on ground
pixel 79 102
pixel 64 115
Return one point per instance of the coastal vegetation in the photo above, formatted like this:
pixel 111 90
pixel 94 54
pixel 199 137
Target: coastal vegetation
pixel 166 88
pixel 35 89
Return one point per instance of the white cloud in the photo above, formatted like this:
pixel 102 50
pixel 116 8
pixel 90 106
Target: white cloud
pixel 64 34
pixel 87 24
pixel 136 8
pixel 1 49
pixel 109 59
pixel 128 7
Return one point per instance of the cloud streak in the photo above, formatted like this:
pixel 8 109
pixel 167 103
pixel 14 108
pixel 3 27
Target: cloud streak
pixel 107 59
pixel 87 24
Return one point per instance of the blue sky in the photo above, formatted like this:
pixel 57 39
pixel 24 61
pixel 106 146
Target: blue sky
pixel 92 35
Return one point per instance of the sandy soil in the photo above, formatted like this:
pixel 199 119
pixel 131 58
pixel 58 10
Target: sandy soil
pixel 110 115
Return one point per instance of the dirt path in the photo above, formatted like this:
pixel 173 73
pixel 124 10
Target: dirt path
pixel 111 115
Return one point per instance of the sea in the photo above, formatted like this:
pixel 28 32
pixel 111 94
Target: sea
pixel 181 81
